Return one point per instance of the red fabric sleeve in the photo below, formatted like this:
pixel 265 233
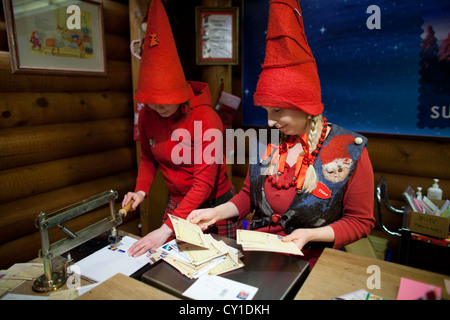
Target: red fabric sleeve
pixel 242 199
pixel 206 172
pixel 358 218
pixel 147 164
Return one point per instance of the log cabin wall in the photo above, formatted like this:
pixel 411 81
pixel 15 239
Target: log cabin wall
pixel 64 139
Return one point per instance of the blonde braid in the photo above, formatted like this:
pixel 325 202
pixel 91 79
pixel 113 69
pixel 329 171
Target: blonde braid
pixel 312 136
pixel 310 183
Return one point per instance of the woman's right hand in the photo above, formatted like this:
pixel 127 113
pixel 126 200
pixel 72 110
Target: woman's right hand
pixel 138 197
pixel 203 217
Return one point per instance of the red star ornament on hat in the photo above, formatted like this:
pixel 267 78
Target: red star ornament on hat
pixel 336 161
pixel 161 77
pixel 289 78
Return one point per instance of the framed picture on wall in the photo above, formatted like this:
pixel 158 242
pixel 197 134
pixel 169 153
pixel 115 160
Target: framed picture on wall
pixel 56 37
pixel 217 35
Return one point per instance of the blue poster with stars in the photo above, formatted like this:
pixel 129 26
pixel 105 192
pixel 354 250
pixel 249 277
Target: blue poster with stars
pixel 384 66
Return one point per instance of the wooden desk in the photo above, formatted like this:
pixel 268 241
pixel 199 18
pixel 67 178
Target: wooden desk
pixel 118 287
pixel 337 273
pixel 121 287
pixel 26 287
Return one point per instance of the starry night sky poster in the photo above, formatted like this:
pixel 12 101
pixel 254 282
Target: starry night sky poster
pixel 394 80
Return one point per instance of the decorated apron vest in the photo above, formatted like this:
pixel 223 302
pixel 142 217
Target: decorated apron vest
pixel 334 165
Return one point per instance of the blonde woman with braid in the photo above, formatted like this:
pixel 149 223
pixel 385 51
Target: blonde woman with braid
pixel 317 186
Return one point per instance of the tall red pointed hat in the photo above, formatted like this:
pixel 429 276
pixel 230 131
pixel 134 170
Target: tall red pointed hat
pixel 289 78
pixel 161 77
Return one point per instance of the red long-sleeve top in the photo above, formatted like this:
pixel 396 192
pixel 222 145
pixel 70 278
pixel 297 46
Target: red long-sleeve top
pixel 357 220
pixel 193 181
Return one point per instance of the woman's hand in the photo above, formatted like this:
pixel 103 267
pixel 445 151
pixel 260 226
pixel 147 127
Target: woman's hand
pixel 138 197
pixel 203 217
pixel 300 237
pixel 153 240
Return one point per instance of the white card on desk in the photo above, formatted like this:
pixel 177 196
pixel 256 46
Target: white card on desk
pixel 109 261
pixel 219 288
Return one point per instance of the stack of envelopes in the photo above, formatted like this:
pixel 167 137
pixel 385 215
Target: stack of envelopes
pixel 262 241
pixel 194 253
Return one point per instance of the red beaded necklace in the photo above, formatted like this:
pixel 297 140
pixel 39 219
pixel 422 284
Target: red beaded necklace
pixel 303 161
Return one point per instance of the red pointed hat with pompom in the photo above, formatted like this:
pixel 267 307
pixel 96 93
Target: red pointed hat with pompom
pixel 161 77
pixel 289 78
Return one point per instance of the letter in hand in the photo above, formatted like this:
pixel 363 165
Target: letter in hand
pixel 203 217
pixel 299 237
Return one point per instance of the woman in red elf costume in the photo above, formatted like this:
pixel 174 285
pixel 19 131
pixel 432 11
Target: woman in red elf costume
pixel 174 104
pixel 317 187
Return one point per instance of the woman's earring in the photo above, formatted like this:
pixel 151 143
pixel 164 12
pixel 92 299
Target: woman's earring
pixel 309 117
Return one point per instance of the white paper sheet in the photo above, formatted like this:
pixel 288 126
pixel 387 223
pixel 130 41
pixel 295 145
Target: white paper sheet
pixel 219 288
pixel 109 261
pixel 17 296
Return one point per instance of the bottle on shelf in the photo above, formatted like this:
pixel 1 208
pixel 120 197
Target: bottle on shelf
pixel 434 192
pixel 419 193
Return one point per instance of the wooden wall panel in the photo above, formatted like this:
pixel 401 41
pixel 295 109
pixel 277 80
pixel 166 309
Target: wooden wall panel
pixel 118 79
pixel 38 108
pixel 27 247
pixel 117 47
pixel 29 145
pixel 17 217
pixel 64 139
pixel 115 18
pixel 27 181
pixel 409 156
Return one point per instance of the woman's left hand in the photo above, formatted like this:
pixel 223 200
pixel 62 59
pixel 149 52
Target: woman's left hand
pixel 300 237
pixel 153 240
